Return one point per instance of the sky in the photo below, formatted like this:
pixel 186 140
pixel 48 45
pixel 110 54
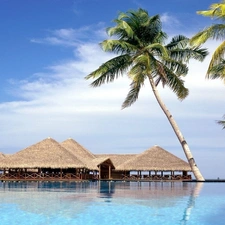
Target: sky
pixel 48 47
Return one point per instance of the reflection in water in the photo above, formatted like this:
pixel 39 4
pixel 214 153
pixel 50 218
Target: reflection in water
pixel 106 190
pixel 69 199
pixel 191 202
pixel 104 203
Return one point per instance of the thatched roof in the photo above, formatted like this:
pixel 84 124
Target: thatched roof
pixel 45 154
pixel 117 159
pixel 78 150
pixel 2 156
pixel 95 163
pixel 155 158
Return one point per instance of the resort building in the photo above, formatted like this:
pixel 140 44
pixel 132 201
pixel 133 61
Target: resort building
pixel 51 160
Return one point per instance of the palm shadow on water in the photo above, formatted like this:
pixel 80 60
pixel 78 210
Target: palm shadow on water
pixel 191 202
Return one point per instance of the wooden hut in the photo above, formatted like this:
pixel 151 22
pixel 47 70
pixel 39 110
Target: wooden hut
pixel 46 159
pixel 78 150
pixel 97 167
pixel 103 166
pixel 117 160
pixel 158 160
pixel 49 159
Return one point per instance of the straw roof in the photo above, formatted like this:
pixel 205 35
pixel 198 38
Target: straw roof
pixel 2 156
pixel 117 159
pixel 95 163
pixel 78 150
pixel 155 158
pixel 70 154
pixel 45 154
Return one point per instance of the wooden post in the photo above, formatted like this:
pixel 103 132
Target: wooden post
pixel 184 173
pixel 100 172
pixel 109 171
pixel 60 173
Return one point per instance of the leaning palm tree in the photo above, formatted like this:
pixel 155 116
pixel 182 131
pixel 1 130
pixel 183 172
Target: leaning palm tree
pixel 216 69
pixel 142 55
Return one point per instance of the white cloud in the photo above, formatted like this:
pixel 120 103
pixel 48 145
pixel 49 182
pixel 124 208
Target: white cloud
pixel 169 21
pixel 72 37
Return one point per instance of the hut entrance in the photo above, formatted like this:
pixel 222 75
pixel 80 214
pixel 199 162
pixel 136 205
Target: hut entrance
pixel 105 169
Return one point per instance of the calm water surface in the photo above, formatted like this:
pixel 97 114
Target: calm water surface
pixel 106 203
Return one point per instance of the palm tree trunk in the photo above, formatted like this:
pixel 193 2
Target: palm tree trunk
pixel 178 133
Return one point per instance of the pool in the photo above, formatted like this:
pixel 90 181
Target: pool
pixel 109 203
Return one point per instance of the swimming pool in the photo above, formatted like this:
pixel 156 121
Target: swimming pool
pixel 101 203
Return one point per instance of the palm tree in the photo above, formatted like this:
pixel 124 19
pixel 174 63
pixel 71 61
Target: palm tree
pixel 216 69
pixel 141 54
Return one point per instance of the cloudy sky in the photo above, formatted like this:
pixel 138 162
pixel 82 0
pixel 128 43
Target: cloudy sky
pixel 48 47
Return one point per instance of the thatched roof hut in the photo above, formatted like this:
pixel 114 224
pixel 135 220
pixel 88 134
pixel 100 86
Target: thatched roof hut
pixel 90 160
pixel 78 150
pixel 44 154
pixel 155 159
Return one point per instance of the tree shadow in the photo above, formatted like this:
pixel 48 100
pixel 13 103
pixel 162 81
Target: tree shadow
pixel 191 202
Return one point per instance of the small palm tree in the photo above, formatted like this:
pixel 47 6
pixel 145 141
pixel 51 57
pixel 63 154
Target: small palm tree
pixel 142 55
pixel 216 69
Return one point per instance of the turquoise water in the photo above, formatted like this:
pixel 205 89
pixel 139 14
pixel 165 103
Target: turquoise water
pixel 109 203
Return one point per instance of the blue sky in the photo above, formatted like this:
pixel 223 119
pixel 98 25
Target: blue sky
pixel 48 47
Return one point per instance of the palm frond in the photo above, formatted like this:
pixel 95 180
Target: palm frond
pixel 118 46
pixel 222 122
pixel 217 57
pixel 138 71
pixel 137 74
pixel 178 67
pixel 110 70
pixel 139 17
pixel 216 31
pixel 177 42
pixel 200 38
pixel 168 76
pixel 132 95
pixel 180 50
pixel 122 27
pixel 176 84
pixel 216 11
pixel 153 32
pixel 197 53
pixel 186 54
pixel 217 71
pixel 159 48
